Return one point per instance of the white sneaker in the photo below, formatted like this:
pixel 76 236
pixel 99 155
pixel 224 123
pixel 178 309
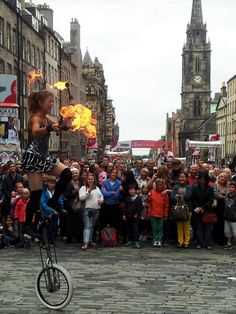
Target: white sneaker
pixel 144 238
pixel 155 244
pixel 159 244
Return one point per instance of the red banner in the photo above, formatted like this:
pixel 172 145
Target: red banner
pixel 149 144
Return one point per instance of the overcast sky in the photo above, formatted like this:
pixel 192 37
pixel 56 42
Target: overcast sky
pixel 139 44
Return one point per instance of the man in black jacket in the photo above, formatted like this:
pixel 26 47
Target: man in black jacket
pixel 131 215
pixel 8 186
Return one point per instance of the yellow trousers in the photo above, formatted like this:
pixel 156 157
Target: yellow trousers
pixel 183 230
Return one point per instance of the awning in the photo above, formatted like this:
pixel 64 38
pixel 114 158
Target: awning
pixel 8 104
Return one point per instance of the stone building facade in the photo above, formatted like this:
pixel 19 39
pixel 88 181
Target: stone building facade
pixel 71 71
pixel 196 83
pixel 29 43
pixel 172 132
pixel 221 111
pixel 230 139
pixel 21 51
pixel 98 102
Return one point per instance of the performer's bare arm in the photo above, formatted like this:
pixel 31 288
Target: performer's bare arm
pixel 37 130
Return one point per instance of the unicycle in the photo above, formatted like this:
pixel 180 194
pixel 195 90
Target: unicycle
pixel 53 284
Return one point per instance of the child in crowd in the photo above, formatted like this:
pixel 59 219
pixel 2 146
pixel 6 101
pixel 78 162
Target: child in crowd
pixel 49 212
pixel 181 195
pixel 158 211
pixel 8 236
pixel 230 215
pixel 20 213
pixel 131 214
pixel 144 221
pixel 15 196
pixel 102 175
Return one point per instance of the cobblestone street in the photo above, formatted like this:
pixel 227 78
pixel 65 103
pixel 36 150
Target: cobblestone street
pixel 124 280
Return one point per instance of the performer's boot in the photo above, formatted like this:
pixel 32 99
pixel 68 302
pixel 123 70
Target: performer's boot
pixel 32 207
pixel 64 180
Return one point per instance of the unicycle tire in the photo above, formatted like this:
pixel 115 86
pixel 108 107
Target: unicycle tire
pixel 61 294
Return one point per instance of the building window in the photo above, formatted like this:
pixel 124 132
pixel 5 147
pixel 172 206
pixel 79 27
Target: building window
pixel 25 118
pixel 55 77
pixel 33 55
pixel 48 44
pixel 197 64
pixel 23 48
pixel 52 49
pixel 15 67
pixel 1 31
pixel 14 42
pixel 49 73
pixel 8 36
pixel 197 107
pixel 1 66
pixel 42 61
pixel 56 52
pixel 37 59
pixel 8 68
pixel 28 52
pixel 24 84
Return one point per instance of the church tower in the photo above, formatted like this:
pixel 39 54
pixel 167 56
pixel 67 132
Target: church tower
pixel 196 79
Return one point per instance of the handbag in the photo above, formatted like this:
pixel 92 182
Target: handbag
pixel 180 213
pixel 209 218
pixel 77 205
pixel 214 204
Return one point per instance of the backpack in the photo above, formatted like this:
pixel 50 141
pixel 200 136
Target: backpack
pixel 109 236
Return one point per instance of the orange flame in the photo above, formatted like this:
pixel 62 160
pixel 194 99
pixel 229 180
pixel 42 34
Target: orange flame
pixel 32 75
pixel 60 85
pixel 81 119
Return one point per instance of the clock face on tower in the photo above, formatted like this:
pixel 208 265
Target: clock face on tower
pixel 197 79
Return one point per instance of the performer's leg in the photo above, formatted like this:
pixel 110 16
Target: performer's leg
pixel 36 187
pixel 65 177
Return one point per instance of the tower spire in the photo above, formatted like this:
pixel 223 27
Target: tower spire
pixel 196 17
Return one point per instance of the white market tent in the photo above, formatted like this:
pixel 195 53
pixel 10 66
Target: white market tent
pixel 118 153
pixel 214 151
pixel 201 144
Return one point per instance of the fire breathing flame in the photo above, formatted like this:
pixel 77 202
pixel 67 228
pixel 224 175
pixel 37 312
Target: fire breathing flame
pixel 32 75
pixel 81 119
pixel 60 85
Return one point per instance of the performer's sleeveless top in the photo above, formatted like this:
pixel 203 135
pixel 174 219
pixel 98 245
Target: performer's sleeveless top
pixel 36 157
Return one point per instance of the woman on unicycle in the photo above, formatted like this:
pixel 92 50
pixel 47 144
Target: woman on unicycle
pixel 53 283
pixel 36 159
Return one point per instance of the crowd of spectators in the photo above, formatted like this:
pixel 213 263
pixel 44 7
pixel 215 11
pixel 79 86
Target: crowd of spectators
pixel 136 199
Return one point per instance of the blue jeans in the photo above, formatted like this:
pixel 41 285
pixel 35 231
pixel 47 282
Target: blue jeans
pixel 6 240
pixel 90 216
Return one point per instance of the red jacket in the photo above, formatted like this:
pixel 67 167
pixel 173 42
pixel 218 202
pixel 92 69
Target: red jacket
pixel 192 180
pixel 20 210
pixel 159 204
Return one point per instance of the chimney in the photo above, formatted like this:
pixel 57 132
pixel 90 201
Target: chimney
pixel 75 34
pixel 47 12
pixel 223 90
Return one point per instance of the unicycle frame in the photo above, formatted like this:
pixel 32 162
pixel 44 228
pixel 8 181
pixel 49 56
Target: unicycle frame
pixel 55 277
pixel 48 257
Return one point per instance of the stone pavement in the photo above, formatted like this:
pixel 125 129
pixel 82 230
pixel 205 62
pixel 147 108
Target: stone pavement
pixel 125 280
